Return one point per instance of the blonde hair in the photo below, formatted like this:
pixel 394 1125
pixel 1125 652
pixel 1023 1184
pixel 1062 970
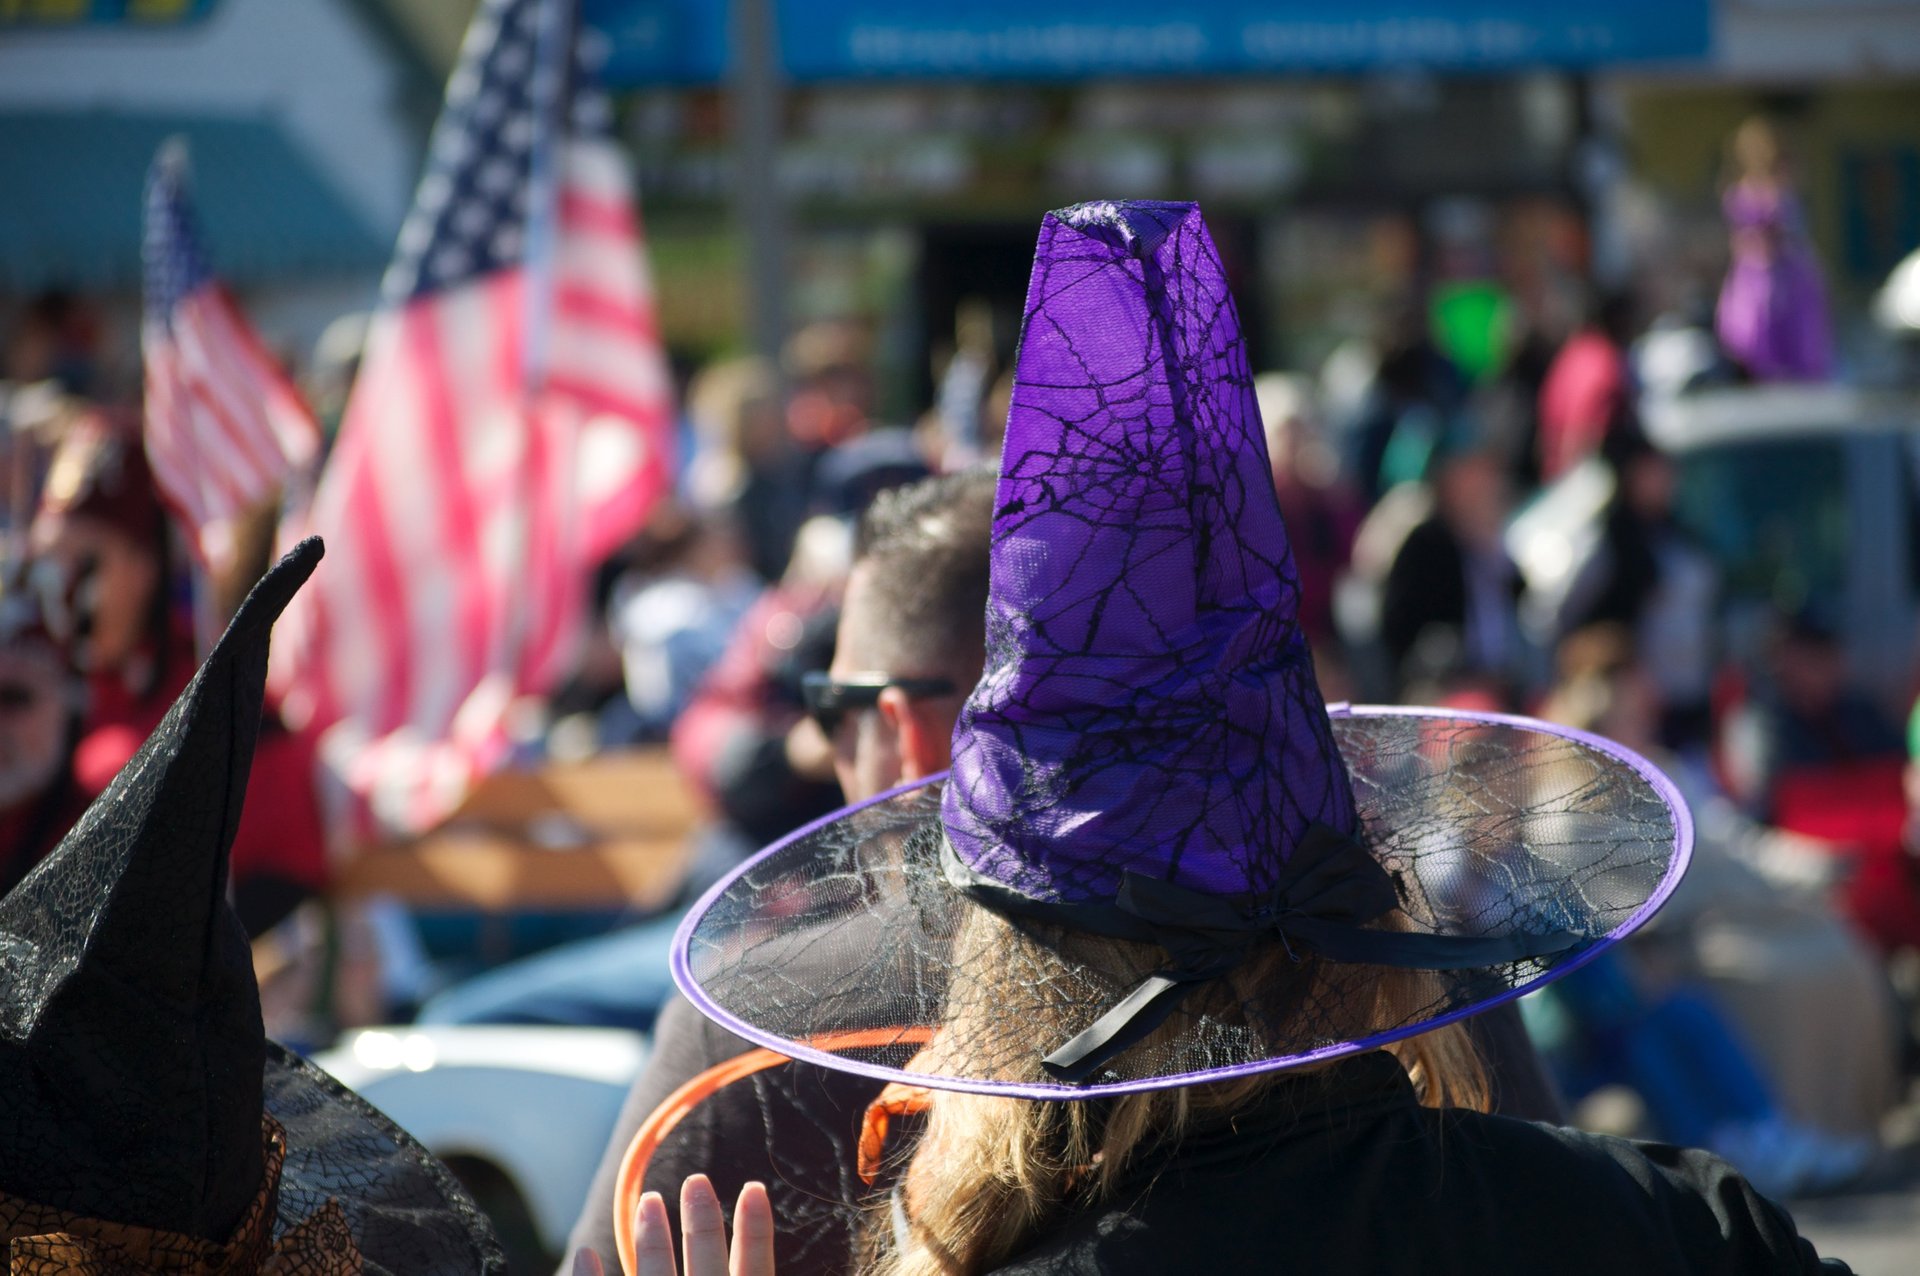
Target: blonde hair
pixel 990 1173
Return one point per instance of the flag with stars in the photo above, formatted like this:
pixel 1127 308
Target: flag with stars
pixel 224 426
pixel 509 427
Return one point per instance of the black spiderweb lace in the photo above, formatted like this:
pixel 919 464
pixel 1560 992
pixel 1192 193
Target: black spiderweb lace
pixel 1149 702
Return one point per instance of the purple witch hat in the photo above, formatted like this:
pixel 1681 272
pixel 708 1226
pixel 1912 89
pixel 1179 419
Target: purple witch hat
pixel 1149 703
pixel 1158 858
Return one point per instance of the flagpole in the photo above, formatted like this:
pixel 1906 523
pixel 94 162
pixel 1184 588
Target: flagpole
pixel 553 56
pixel 756 90
pixel 553 65
pixel 171 169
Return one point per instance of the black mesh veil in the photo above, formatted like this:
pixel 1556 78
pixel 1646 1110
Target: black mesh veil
pixel 407 1213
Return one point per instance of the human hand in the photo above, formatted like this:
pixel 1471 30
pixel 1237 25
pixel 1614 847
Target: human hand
pixel 809 752
pixel 703 1229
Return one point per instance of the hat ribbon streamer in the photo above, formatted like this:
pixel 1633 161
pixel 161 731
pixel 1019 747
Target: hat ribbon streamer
pixel 1333 887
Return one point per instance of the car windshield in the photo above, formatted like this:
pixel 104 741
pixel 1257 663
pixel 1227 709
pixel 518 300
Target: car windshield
pixel 1773 514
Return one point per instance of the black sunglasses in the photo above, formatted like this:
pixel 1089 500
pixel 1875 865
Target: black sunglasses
pixel 829 700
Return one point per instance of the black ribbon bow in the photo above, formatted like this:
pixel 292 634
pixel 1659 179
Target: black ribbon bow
pixel 1331 885
pixel 1331 889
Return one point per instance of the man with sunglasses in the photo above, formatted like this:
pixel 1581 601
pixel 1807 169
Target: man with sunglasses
pixel 910 645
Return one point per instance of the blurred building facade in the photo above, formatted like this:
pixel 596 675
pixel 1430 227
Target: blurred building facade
pixel 1840 78
pixel 1489 160
pixel 305 122
pixel 1493 163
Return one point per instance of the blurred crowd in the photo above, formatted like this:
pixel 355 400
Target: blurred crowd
pixel 1766 1015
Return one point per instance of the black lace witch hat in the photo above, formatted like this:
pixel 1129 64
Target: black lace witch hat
pixel 145 1120
pixel 1160 858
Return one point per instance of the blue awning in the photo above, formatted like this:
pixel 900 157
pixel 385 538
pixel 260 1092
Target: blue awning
pixel 685 41
pixel 74 186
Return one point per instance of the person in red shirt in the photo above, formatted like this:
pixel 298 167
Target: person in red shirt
pixel 1588 389
pixel 100 539
pixel 99 543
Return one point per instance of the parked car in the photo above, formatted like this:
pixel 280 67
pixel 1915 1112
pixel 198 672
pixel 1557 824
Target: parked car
pixel 520 1115
pixel 1804 495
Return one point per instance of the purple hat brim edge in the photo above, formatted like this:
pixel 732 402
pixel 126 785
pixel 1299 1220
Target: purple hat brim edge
pixel 1657 779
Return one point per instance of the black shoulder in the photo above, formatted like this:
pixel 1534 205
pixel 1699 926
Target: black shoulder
pixel 1716 1218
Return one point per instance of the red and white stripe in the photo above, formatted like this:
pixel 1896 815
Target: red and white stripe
pixel 464 510
pixel 224 425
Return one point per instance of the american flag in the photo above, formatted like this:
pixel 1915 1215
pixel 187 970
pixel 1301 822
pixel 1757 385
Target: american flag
pixel 509 427
pixel 224 425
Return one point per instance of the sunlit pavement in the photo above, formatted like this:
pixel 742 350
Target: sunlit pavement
pixel 1874 1228
pixel 1877 1233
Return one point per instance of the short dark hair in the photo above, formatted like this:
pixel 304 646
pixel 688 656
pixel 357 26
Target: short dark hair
pixel 924 546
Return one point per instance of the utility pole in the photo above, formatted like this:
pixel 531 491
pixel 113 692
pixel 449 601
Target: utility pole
pixel 756 87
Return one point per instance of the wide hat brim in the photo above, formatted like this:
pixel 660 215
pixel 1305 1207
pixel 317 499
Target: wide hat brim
pixel 407 1213
pixel 846 944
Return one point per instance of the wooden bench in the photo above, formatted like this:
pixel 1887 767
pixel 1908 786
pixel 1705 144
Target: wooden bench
pixel 608 833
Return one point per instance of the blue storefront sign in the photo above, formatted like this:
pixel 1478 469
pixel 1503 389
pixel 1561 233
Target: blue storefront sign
pixel 131 13
pixel 685 41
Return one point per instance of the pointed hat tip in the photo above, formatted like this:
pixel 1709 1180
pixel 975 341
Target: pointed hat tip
pixel 1138 227
pixel 271 594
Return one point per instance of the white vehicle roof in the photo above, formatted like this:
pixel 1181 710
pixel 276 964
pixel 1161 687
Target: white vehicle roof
pixel 1749 413
pixel 609 1055
pixel 535 1103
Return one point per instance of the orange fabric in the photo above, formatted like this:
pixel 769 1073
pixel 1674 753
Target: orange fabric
pixel 898 1099
pixel 653 1131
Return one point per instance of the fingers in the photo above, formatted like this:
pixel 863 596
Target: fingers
pixel 652 1238
pixel 753 1232
pixel 587 1263
pixel 703 1228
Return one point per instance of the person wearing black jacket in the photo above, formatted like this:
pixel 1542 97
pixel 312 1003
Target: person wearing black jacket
pixel 1343 1170
pixel 1452 583
pixel 1649 575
